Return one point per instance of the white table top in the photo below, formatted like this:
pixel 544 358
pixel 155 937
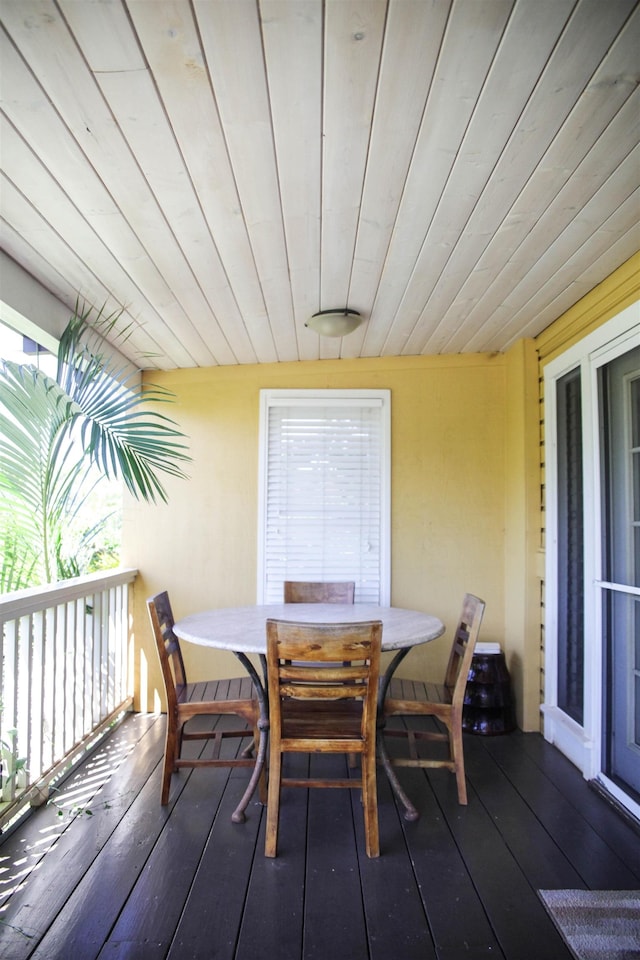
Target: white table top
pixel 243 629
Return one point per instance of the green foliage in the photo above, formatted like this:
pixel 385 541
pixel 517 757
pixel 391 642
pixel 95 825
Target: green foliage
pixel 18 561
pixel 59 437
pixel 11 766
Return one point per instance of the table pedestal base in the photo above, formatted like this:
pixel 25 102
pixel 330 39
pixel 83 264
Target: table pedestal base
pixel 238 815
pixel 410 812
pixel 260 685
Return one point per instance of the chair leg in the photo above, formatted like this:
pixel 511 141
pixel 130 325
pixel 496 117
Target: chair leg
pixel 166 780
pixel 177 752
pixel 457 754
pixel 273 804
pixel 370 798
pixel 170 756
pixel 262 782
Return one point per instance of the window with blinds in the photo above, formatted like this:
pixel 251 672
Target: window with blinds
pixel 324 490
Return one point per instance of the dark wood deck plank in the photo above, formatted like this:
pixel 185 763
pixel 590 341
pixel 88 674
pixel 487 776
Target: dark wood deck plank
pixel 71 798
pixel 146 925
pixel 273 921
pixel 213 910
pixel 334 919
pixel 110 882
pixel 439 867
pixel 506 895
pixel 85 921
pixel 457 919
pixel 494 871
pixel 619 833
pixel 544 863
pixel 396 918
pixel 600 866
pixel 140 881
pixel 76 842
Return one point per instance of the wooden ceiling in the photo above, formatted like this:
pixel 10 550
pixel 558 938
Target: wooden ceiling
pixel 459 171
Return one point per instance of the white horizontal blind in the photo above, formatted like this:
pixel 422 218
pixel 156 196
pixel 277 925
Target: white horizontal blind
pixel 325 510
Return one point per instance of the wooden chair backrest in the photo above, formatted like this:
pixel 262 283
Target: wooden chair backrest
pixel 304 591
pixel 464 642
pixel 324 661
pixel 171 662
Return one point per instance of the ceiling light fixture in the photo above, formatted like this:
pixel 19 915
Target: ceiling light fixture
pixel 334 323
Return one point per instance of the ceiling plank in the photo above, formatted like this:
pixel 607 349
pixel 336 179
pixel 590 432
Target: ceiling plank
pixel 171 43
pixel 469 46
pixel 413 36
pixel 353 45
pixel 55 153
pixel 552 275
pixel 605 254
pixel 23 218
pixel 292 36
pixel 232 43
pixel 532 291
pixel 585 40
pixel 23 254
pixel 43 38
pixel 132 99
pixel 530 227
pixel 197 278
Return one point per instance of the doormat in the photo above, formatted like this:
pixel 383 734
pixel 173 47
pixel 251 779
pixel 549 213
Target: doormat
pixel 597 924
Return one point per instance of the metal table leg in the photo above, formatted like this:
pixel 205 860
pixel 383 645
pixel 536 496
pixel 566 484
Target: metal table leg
pixel 259 683
pixel 410 811
pixel 238 815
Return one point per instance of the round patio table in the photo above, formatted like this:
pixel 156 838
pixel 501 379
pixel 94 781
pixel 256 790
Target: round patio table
pixel 243 631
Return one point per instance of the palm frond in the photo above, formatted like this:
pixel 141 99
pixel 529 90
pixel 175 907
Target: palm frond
pixel 58 436
pixel 122 435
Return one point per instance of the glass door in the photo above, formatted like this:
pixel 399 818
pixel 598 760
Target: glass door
pixel 619 401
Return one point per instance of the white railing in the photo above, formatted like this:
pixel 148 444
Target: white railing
pixel 65 678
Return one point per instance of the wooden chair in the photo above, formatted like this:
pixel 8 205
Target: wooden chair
pixel 304 591
pixel 321 591
pixel 447 703
pixel 184 703
pixel 317 704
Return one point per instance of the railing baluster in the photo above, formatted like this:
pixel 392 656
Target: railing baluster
pixel 50 699
pixel 24 736
pixel 66 640
pixel 84 652
pixel 37 717
pixel 111 622
pixel 9 717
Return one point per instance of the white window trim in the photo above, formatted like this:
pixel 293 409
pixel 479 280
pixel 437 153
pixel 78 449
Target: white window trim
pixel 269 398
pixel 582 744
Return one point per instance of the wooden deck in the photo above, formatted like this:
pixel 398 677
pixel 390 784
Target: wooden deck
pixel 105 872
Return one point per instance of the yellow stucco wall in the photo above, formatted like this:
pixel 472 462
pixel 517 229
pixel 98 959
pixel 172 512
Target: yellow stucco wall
pixel 449 435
